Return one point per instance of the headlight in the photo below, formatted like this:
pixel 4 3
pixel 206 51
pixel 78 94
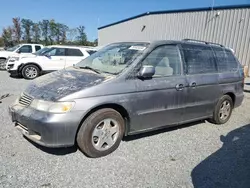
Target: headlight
pixel 53 107
pixel 12 59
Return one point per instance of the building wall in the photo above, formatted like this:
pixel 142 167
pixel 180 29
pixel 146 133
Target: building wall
pixel 231 28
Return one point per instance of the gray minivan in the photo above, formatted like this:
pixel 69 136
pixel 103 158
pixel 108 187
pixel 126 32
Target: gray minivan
pixel 128 88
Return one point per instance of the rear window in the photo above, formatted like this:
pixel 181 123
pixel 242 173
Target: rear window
pixel 199 59
pixel 226 61
pixel 73 52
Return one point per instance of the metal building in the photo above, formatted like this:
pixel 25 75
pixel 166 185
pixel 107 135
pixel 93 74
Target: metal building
pixel 227 25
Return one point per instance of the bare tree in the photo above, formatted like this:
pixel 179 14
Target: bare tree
pixel 17 29
pixel 27 25
pixel 44 25
pixel 36 32
pixel 82 37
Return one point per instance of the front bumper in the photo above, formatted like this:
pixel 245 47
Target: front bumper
pixel 46 129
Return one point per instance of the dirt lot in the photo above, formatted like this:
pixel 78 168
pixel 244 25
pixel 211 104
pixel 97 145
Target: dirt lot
pixel 189 156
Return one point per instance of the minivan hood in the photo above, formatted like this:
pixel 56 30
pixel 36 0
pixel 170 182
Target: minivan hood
pixel 59 84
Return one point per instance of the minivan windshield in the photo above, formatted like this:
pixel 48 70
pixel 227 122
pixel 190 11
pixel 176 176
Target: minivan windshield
pixel 113 58
pixel 12 49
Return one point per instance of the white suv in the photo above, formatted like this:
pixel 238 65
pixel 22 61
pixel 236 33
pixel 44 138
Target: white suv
pixel 18 50
pixel 51 59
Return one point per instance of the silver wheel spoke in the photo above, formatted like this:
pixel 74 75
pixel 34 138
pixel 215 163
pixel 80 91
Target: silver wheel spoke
pixel 114 130
pixel 97 132
pixel 109 141
pixel 107 124
pixel 100 143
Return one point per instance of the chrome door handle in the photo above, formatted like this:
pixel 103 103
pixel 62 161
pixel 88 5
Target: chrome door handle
pixel 179 87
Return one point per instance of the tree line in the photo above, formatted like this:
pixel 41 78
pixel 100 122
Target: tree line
pixel 47 32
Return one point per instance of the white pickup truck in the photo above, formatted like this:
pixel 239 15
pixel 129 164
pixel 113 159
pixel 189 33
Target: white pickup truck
pixel 19 50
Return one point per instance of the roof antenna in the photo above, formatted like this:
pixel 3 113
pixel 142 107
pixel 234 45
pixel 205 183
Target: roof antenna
pixel 213 5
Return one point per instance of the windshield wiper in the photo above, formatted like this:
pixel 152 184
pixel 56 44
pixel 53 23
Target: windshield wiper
pixel 90 68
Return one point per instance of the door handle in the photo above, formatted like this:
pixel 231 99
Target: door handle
pixel 179 87
pixel 193 84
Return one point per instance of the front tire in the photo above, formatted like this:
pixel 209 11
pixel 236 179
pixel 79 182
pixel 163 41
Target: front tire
pixel 101 133
pixel 30 72
pixel 223 110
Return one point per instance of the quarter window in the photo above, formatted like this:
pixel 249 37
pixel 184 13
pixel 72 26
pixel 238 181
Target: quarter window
pixel 74 52
pixel 166 60
pixel 199 59
pixel 25 49
pixel 226 61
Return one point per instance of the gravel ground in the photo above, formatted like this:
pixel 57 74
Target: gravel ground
pixel 187 156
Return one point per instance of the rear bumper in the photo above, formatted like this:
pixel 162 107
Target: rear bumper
pixel 46 129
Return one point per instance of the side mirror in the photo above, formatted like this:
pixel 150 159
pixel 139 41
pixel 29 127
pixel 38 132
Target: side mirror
pixel 146 71
pixel 18 51
pixel 46 55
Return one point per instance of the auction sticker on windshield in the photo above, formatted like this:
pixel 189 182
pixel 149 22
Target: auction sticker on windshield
pixel 140 48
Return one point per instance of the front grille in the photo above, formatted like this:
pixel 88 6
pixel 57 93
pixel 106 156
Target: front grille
pixel 25 100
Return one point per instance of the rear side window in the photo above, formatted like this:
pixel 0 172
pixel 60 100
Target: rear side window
pixel 199 59
pixel 73 52
pixel 37 48
pixel 226 61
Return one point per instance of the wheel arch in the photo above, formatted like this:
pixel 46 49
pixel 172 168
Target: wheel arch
pixel 232 95
pixel 30 63
pixel 119 108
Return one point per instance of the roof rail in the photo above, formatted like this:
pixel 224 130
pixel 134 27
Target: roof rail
pixel 201 41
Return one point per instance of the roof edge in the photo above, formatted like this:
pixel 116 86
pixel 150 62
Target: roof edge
pixel 178 11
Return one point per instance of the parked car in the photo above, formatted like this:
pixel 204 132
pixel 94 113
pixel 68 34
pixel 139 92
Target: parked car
pixel 18 49
pixel 53 58
pixel 129 88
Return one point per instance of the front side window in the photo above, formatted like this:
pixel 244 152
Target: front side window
pixel 25 49
pixel 37 48
pixel 166 60
pixel 73 52
pixel 226 61
pixel 55 52
pixel 114 58
pixel 199 59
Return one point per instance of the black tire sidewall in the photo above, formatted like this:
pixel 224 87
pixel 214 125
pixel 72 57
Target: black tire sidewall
pixel 217 118
pixel 84 136
pixel 25 67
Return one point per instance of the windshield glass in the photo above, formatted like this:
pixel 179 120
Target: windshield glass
pixel 42 51
pixel 12 48
pixel 113 58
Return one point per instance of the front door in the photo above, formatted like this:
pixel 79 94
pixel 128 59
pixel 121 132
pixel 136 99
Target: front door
pixel 55 59
pixel 160 101
pixel 202 78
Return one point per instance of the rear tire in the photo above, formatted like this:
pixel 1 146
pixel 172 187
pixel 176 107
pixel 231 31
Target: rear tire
pixel 30 72
pixel 101 133
pixel 223 110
